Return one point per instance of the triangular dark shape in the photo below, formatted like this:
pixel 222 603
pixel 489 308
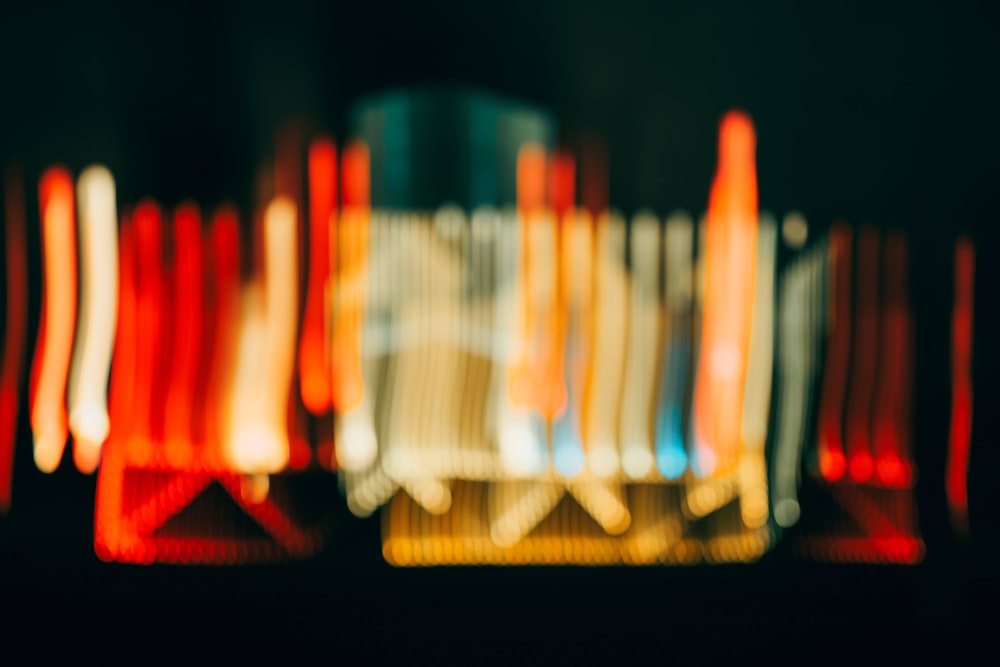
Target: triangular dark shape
pixel 212 515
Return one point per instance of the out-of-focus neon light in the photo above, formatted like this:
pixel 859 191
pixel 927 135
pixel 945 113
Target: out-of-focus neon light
pixel 757 395
pixel 830 446
pixel 150 322
pixel 58 319
pixel 799 323
pixel 607 352
pixel 348 253
pixel 577 248
pixel 960 437
pixel 88 380
pixel 15 324
pixel 259 430
pixel 678 276
pixel 314 374
pixel 181 409
pixel 641 351
pixel 729 269
pixel 860 463
pixel 891 414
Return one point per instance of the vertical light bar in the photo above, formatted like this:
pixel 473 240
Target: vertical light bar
pixel 890 419
pixel 678 290
pixel 95 339
pixel 222 329
pixel 314 374
pixel 577 249
pixel 260 444
pixel 645 315
pixel 757 394
pixel 830 447
pixel 186 338
pixel 351 239
pixel 731 227
pixel 960 436
pixel 58 319
pixel 860 464
pixel 607 353
pixel 150 324
pixel 16 326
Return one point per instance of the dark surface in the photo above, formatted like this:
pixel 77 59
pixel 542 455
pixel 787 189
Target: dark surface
pixel 882 114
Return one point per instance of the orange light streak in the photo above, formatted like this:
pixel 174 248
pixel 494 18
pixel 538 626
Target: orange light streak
pixel 960 437
pixel 348 258
pixel 314 374
pixel 731 237
pixel 16 327
pixel 49 421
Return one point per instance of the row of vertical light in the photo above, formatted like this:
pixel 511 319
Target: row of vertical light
pixel 504 381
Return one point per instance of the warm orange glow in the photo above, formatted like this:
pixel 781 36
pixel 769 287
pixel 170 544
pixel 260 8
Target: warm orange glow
pixel 15 326
pixel 730 230
pixel 49 421
pixel 960 440
pixel 348 256
pixel 314 373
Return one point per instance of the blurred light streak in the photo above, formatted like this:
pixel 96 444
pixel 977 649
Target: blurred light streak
pixel 58 319
pixel 258 441
pixel 757 394
pixel 642 355
pixel 960 436
pixel 830 447
pixel 890 439
pixel 186 324
pixel 800 321
pixel 678 290
pixel 349 247
pixel 95 335
pixel 864 358
pixel 150 328
pixel 604 387
pixel 577 250
pixel 15 326
pixel 314 376
pixel 729 266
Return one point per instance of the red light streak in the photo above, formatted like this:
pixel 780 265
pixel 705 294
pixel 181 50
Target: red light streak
pixel 890 438
pixel 188 310
pixel 860 464
pixel 957 474
pixel 314 374
pixel 832 462
pixel 16 327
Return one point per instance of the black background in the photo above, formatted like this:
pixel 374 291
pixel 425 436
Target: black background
pixel 880 113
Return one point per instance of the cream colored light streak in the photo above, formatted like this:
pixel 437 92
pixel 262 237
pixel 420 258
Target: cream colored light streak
pixel 88 380
pixel 610 328
pixel 641 349
pixel 259 441
pixel 757 395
